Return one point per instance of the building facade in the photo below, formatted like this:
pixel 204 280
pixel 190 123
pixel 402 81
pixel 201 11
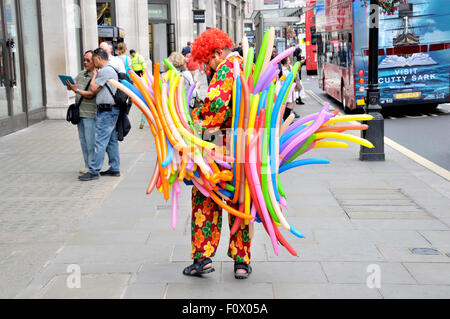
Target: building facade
pixel 41 39
pixel 171 22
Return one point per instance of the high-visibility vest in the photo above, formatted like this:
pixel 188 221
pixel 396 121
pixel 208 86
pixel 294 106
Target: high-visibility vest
pixel 138 63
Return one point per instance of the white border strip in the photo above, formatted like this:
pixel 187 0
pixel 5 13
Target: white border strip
pixel 418 159
pixel 407 152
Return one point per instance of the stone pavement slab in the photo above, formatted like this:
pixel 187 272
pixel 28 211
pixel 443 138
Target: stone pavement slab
pixel 356 272
pixel 228 290
pixel 415 292
pixel 324 291
pixel 280 272
pixel 394 253
pixel 430 274
pixel 145 291
pixel 103 286
pixel 437 237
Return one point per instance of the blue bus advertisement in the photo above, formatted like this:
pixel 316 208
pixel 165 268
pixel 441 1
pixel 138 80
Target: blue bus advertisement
pixel 414 52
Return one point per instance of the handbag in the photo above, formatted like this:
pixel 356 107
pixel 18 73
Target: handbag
pixel 73 113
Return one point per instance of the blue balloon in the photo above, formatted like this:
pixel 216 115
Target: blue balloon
pixel 134 90
pixel 225 192
pixel 309 161
pixel 296 232
pixel 273 124
pixel 169 157
pixel 287 136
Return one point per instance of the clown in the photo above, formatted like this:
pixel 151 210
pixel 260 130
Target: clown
pixel 215 49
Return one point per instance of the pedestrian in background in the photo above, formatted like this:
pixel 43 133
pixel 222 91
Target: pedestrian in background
pixel 239 49
pixel 115 61
pixel 193 67
pixel 187 49
pixel 273 56
pixel 286 67
pixel 107 115
pixel 138 63
pixel 88 111
pixel 126 60
pixel 179 62
pixel 298 80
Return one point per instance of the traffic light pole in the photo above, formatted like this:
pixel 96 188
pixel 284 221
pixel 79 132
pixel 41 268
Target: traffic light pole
pixel 375 133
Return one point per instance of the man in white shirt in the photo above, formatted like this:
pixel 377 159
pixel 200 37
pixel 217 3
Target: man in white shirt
pixel 115 61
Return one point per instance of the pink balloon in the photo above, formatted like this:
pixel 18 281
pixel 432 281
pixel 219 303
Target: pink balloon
pixel 237 69
pixel 282 55
pixel 260 199
pixel 200 187
pixel 175 192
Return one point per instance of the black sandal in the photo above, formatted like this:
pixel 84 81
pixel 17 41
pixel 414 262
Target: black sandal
pixel 199 268
pixel 246 267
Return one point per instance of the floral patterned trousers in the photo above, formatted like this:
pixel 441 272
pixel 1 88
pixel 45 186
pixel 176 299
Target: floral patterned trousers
pixel 206 229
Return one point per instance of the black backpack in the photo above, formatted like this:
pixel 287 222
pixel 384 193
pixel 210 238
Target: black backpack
pixel 123 126
pixel 120 98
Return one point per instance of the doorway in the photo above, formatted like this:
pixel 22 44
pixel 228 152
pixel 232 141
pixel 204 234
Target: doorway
pixel 12 112
pixel 22 89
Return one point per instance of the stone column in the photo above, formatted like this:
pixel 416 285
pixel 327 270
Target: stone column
pixel 132 16
pixel 89 24
pixel 184 23
pixel 57 41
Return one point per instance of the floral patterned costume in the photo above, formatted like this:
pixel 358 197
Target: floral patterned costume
pixel 216 114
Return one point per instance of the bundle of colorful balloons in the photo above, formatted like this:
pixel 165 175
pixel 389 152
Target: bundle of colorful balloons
pixel 261 147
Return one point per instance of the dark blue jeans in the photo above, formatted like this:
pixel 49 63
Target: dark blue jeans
pixel 106 141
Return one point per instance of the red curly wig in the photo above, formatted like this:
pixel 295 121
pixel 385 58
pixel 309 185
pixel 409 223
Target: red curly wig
pixel 212 39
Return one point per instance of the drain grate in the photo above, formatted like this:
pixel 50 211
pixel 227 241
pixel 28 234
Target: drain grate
pixel 378 203
pixel 424 251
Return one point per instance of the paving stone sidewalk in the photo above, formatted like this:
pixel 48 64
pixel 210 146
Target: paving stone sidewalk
pixel 394 215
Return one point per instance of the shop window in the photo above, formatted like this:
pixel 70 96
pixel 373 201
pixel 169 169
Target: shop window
pixel 106 12
pixel 32 59
pixel 219 14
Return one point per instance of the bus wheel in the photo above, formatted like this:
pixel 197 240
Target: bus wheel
pixel 430 107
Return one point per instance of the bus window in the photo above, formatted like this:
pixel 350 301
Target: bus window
pixel 328 52
pixel 313 36
pixel 336 52
pixel 343 54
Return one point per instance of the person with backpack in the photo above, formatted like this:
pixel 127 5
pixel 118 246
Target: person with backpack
pixel 107 115
pixel 122 54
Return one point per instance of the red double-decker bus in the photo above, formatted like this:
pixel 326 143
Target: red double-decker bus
pixel 311 38
pixel 414 53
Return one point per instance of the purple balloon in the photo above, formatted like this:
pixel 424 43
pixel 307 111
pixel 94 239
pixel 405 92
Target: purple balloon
pixel 264 79
pixel 190 92
pixel 271 78
pixel 304 134
pixel 300 123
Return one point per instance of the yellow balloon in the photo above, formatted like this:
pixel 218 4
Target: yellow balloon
pixel 349 118
pixel 346 137
pixel 323 144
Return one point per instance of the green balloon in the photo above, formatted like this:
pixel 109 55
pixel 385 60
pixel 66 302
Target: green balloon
pixel 261 56
pixel 265 154
pixel 249 66
pixel 302 149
